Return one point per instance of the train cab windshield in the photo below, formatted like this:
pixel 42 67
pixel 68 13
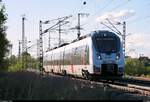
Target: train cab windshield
pixel 109 44
pixel 106 44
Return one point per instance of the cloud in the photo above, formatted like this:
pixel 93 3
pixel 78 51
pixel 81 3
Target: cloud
pixel 138 44
pixel 139 40
pixel 124 14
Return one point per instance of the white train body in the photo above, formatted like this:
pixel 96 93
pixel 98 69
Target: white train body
pixel 99 53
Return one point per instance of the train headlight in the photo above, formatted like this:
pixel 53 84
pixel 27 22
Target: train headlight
pixel 117 56
pixel 99 56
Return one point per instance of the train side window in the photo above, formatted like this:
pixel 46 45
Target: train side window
pixel 67 57
pixel 75 51
pixel 87 54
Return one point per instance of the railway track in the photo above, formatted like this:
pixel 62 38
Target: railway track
pixel 136 89
pixel 130 85
pixel 124 86
pixel 133 80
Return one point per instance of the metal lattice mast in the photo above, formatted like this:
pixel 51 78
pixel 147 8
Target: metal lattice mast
pixel 38 49
pixel 23 34
pixel 124 37
pixel 25 44
pixel 19 49
pixel 78 27
pixel 23 38
pixel 123 34
pixel 40 46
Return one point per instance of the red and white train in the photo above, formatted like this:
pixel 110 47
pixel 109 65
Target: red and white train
pixel 98 53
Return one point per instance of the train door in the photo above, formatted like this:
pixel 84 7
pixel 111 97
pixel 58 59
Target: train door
pixel 51 65
pixel 87 55
pixel 60 60
pixel 85 59
pixel 73 53
pixel 77 60
pixel 58 65
pixel 61 63
pixel 83 56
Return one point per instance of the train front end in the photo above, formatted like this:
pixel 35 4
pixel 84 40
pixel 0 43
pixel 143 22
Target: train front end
pixel 107 51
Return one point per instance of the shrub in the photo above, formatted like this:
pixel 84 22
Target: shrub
pixel 135 67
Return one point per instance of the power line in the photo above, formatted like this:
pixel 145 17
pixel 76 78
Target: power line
pixel 109 28
pixel 84 3
pixel 114 27
pixel 139 19
pixel 82 7
pixel 61 21
pixel 78 27
pixel 104 7
pixel 123 34
pixel 120 5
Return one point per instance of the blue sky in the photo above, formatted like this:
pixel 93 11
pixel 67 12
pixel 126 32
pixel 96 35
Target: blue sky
pixel 134 12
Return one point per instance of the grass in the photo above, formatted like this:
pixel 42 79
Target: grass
pixel 24 85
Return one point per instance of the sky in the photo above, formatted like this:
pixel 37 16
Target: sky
pixel 134 12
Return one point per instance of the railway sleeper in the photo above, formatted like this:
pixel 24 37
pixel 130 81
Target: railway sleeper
pixel 131 90
pixel 86 75
pixel 64 73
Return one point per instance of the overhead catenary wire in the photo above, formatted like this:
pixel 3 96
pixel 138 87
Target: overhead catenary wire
pixel 107 5
pixel 101 9
pixel 110 28
pixel 114 27
pixel 120 5
pixel 139 19
pixel 76 12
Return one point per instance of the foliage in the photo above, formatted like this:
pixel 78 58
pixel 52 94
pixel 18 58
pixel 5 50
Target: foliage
pixel 15 64
pixel 135 67
pixel 23 62
pixel 3 41
pixel 148 71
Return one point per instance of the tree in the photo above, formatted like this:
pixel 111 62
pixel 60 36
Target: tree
pixel 3 40
pixel 134 67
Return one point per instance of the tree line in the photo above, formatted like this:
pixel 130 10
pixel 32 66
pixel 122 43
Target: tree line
pixel 4 43
pixel 137 67
pixel 12 63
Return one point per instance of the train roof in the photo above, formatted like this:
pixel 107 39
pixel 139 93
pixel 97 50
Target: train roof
pixel 92 34
pixel 103 33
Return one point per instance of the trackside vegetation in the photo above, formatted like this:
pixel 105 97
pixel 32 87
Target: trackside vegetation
pixel 137 67
pixel 23 85
pixel 133 66
pixel 23 62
